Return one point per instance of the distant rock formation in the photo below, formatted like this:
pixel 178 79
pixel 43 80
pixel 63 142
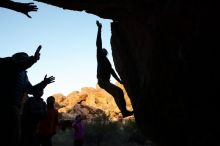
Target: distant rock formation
pixel 91 103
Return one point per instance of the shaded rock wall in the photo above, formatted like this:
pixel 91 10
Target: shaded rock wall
pixel 168 64
pixel 166 53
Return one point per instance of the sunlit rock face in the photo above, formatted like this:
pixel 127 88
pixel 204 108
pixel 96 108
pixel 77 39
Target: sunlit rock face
pixel 90 103
pixel 166 53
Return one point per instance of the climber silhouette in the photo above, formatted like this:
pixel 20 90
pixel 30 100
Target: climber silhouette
pixel 104 72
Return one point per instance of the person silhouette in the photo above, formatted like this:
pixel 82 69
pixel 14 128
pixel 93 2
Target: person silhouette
pixel 104 72
pixel 24 8
pixel 79 130
pixel 34 110
pixel 47 126
pixel 14 87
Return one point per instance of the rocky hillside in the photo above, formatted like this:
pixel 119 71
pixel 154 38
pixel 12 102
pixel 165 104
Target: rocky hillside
pixel 91 103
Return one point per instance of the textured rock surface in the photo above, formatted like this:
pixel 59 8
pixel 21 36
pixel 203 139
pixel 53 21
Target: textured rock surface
pixel 91 103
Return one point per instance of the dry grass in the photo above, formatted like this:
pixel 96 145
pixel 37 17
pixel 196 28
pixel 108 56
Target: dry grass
pixel 104 133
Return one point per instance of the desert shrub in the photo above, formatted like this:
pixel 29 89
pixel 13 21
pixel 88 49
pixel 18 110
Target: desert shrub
pixel 100 129
pixel 63 137
pixel 132 133
pixel 103 132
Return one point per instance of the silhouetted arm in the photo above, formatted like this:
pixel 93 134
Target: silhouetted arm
pixel 24 8
pixel 99 40
pixel 25 64
pixel 115 76
pixel 41 85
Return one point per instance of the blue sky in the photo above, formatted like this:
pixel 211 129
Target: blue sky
pixel 68 40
